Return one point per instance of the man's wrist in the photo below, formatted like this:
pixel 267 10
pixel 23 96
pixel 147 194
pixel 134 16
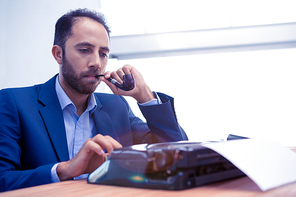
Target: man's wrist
pixel 155 101
pixel 145 95
pixel 62 171
pixel 54 176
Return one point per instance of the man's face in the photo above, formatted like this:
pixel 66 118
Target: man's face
pixel 86 55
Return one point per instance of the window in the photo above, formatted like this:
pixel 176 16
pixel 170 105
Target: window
pixel 248 93
pixel 130 17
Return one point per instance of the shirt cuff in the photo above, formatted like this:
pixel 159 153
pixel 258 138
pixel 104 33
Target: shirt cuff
pixel 54 175
pixel 155 101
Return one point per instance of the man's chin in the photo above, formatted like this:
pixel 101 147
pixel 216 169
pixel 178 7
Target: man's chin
pixel 89 89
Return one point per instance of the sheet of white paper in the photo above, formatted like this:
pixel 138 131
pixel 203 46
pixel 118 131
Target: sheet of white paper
pixel 267 163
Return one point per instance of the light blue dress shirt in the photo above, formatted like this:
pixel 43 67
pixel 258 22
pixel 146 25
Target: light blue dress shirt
pixel 79 129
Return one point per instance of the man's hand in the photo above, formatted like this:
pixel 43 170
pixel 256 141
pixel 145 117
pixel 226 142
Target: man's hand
pixel 141 92
pixel 90 157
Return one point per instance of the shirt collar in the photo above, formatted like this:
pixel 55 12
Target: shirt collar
pixel 92 104
pixel 66 101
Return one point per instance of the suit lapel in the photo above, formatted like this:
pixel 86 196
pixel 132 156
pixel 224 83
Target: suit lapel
pixel 53 118
pixel 103 122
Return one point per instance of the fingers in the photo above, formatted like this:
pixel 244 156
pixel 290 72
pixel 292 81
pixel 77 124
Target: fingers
pixel 107 74
pixel 118 75
pixel 100 142
pixel 141 91
pixel 90 156
pixel 127 69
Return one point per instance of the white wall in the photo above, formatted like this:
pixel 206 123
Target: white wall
pixel 26 38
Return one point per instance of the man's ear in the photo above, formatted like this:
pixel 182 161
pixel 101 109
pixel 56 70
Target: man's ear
pixel 57 53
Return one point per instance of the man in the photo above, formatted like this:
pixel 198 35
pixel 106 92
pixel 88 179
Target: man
pixel 61 130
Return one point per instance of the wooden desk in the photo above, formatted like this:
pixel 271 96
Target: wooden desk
pixel 240 187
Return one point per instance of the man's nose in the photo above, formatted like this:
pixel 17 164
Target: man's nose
pixel 95 61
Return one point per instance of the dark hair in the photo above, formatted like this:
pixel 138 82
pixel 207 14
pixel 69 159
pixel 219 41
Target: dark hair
pixel 63 27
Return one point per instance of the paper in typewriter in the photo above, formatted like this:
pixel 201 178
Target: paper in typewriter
pixel 267 163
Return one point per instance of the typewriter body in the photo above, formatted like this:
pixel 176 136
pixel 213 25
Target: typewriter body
pixel 171 166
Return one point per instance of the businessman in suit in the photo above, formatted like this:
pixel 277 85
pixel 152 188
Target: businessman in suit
pixel 61 129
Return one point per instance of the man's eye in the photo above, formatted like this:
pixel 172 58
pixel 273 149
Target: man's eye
pixel 84 50
pixel 104 55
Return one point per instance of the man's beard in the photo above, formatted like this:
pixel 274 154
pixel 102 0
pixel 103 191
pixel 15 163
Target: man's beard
pixel 75 81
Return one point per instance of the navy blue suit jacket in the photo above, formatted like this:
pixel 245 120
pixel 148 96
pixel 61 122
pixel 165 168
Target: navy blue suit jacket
pixel 32 132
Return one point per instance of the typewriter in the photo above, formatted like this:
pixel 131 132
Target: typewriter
pixel 168 166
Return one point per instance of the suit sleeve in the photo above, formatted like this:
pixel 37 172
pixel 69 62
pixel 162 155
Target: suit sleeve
pixel 162 122
pixel 12 176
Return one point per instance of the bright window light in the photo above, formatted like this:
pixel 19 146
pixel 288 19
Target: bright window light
pixel 249 93
pixel 156 16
